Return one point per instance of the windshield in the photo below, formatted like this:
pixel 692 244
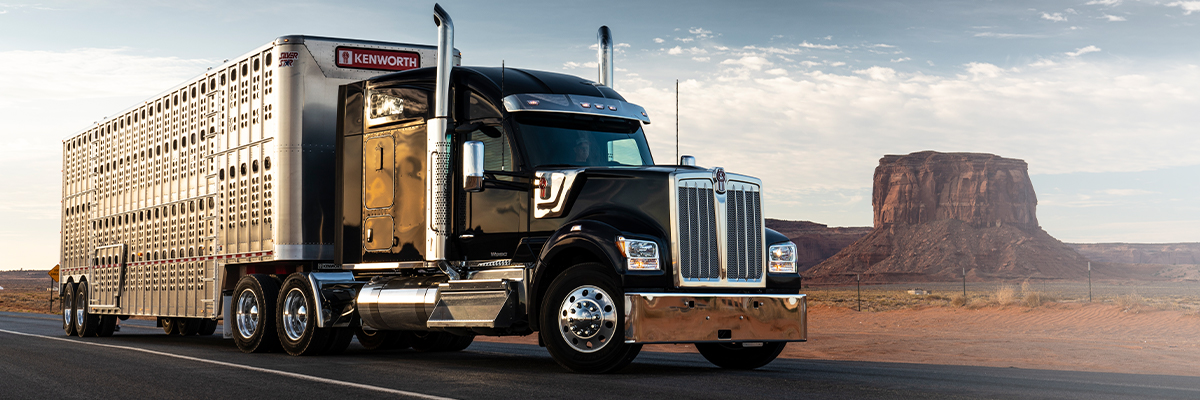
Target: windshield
pixel 558 140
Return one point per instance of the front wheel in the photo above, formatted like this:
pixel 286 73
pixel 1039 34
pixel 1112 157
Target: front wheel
pixel 739 356
pixel 582 321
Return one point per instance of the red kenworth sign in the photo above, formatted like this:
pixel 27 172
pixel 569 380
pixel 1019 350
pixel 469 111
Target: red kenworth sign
pixel 349 57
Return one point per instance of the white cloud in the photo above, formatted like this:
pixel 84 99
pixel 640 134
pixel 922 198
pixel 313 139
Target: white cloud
pixel 883 45
pixel 658 40
pixel 675 51
pixel 748 62
pixel 3 11
pixel 807 63
pixel 806 44
pixel 1043 63
pixel 574 65
pixel 830 37
pixel 1071 116
pixel 1187 6
pixel 90 73
pixel 1082 51
pixel 1104 2
pixel 701 59
pixel 622 45
pixel 836 64
pixel 685 40
pixel 1114 18
pixel 1127 192
pixel 1056 17
pixel 901 59
pixel 699 31
pixel 777 71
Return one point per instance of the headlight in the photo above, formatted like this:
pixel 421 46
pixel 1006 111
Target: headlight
pixel 640 255
pixel 783 258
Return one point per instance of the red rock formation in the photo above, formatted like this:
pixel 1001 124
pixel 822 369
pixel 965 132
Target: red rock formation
pixel 979 189
pixel 937 214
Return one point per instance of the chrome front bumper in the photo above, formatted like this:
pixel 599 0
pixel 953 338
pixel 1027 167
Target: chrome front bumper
pixel 708 317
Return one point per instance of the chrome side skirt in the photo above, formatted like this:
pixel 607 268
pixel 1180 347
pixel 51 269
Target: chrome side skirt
pixel 708 317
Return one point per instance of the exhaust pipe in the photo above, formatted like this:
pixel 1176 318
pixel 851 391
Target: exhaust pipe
pixel 437 181
pixel 605 55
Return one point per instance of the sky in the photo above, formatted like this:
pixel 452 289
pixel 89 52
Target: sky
pixel 1099 97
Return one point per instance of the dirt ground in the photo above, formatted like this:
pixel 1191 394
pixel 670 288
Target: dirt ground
pixel 1112 336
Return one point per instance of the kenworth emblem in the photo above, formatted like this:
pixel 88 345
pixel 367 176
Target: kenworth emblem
pixel 719 179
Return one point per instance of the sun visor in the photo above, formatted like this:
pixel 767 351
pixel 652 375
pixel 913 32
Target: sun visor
pixel 575 104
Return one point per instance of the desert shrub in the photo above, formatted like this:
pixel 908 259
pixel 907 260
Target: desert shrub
pixel 1005 295
pixel 1035 299
pixel 1131 301
pixel 958 300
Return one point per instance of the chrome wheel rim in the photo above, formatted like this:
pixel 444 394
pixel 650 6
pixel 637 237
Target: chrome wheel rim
pixel 80 305
pixel 66 311
pixel 295 314
pixel 587 319
pixel 247 314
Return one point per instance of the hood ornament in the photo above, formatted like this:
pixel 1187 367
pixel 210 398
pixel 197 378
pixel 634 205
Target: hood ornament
pixel 719 179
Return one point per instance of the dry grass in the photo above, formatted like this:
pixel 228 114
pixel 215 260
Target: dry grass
pixel 1005 295
pixel 1034 299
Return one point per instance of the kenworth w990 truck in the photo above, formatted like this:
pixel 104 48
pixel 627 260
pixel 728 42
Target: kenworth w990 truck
pixel 304 197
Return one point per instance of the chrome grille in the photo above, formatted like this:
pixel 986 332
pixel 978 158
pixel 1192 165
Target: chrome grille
pixel 697 233
pixel 719 237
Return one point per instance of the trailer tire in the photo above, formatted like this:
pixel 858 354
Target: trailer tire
pixel 296 318
pixel 170 326
pixel 108 325
pixel 737 356
pixel 86 323
pixel 592 293
pixel 67 300
pixel 254 314
pixel 188 326
pixel 380 340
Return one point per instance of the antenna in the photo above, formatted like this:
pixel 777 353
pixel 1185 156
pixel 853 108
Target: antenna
pixel 501 78
pixel 677 119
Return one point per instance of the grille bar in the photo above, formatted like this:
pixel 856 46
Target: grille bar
pixel 697 234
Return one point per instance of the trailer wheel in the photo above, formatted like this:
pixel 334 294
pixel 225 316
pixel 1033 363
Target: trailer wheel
pixel 86 323
pixel 430 342
pixel 67 301
pixel 108 325
pixel 380 340
pixel 254 314
pixel 170 326
pixel 582 321
pixel 296 319
pixel 188 326
pixel 737 356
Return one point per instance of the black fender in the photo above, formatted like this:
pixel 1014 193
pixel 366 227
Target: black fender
pixel 585 241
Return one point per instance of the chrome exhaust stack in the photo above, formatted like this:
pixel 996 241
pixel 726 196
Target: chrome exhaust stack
pixel 604 56
pixel 437 181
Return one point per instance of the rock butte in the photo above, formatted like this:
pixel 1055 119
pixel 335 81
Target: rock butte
pixel 938 213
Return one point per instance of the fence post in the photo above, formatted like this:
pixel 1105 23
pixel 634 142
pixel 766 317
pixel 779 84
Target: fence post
pixel 858 279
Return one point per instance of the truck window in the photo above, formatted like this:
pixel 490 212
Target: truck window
pixel 397 104
pixel 497 148
pixel 558 140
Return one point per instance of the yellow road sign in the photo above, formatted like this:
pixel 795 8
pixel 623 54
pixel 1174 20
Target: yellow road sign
pixel 54 273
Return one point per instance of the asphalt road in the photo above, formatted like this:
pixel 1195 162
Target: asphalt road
pixel 38 361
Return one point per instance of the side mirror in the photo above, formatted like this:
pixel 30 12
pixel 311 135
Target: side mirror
pixel 472 166
pixel 687 160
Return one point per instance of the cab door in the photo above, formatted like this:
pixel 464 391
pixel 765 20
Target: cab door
pixel 492 222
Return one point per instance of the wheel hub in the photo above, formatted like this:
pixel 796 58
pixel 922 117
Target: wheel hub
pixel 295 314
pixel 588 318
pixel 247 314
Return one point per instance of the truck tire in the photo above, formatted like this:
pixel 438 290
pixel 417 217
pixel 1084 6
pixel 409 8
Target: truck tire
pixel 296 318
pixel 86 323
pixel 188 326
pixel 254 314
pixel 339 340
pixel 380 340
pixel 108 325
pixel 67 301
pixel 582 321
pixel 737 356
pixel 438 341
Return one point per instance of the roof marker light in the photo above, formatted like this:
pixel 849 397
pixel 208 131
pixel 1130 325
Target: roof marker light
pixel 585 104
pixel 612 108
pixel 532 102
pixel 599 106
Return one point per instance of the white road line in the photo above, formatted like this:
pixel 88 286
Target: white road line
pixel 247 367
